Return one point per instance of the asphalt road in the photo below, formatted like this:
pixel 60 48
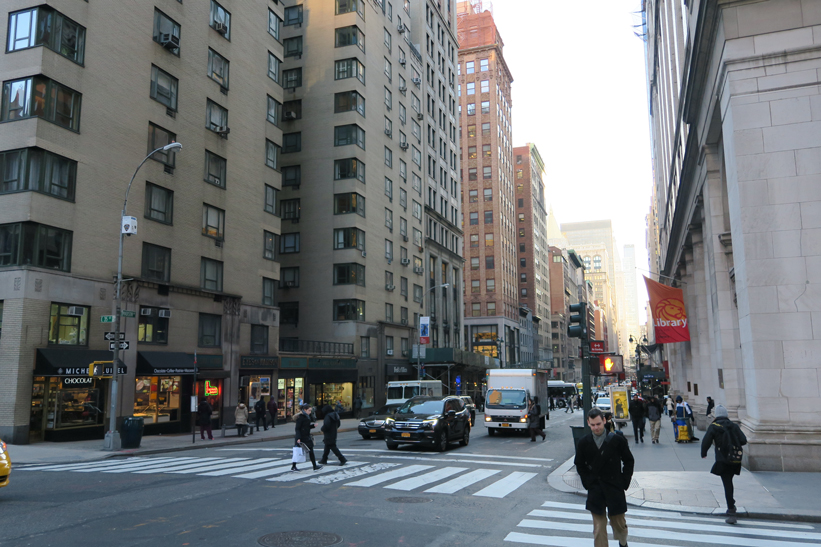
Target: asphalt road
pixel 491 493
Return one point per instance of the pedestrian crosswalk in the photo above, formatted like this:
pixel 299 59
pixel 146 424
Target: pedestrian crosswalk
pixel 557 524
pixel 437 476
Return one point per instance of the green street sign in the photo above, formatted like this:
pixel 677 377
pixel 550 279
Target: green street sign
pixel 106 319
pixel 128 313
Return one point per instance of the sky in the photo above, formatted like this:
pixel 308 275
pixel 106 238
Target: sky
pixel 579 95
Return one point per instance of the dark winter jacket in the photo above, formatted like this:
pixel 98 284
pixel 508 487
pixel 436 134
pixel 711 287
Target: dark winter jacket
pixel 302 430
pixel 654 410
pixel 259 408
pixel 272 408
pixel 204 413
pixel 637 411
pixel 605 473
pixel 330 425
pixel 720 427
pixel 710 406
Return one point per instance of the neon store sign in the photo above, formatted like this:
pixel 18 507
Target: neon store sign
pixel 210 390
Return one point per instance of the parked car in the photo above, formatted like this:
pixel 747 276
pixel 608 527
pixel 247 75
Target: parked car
pixel 603 403
pixel 471 406
pixel 373 425
pixel 5 465
pixel 429 421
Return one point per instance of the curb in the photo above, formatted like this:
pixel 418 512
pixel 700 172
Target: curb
pixel 556 481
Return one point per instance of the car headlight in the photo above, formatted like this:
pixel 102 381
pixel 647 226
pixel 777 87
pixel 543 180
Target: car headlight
pixel 2 447
pixel 523 419
pixel 487 418
pixel 430 424
pixel 389 423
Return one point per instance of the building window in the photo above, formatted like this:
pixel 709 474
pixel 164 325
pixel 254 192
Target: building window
pixel 486 129
pixel 274 65
pixel 597 262
pixel 417 210
pixel 417 293
pixel 389 345
pixel 364 341
pixel 259 339
pixel 210 331
pixel 388 157
pixel 274 109
pixel 521 232
pixel 159 203
pixel 523 262
pixel 485 89
pixel 348 101
pixel 349 203
pixel 483 65
pixel 216 118
pixel 156 263
pixel 472 173
pixel 274 24
pixel 524 291
pixel 350 36
pixel 349 68
pixel 488 217
pixel 270 245
pixel 345 135
pixel 68 325
pixel 220 20
pixel 491 308
pixel 164 88
pixel 292 78
pixel 349 310
pixel 490 285
pixel 489 262
pixel 157 138
pixel 288 278
pixel 476 310
pixel 417 237
pixel 291 142
pixel 292 175
pixel 166 32
pixel 271 200
pixel 293 15
pixel 43 26
pixel 349 168
pixel 403 198
pixel 214 169
pixel 349 274
pixel 471 109
pixel 474 219
pixel 218 68
pixel 470 67
pixel 41 97
pixel 403 291
pixel 289 313
pixel 269 295
pixel 272 154
pixel 489 240
pixel 487 172
pixel 289 243
pixel 213 221
pixel 153 325
pixel 211 274
pixel 33 169
pixel 474 263
pixel 474 240
pixel 389 313
pixel 292 47
pixel 485 107
pixel 349 238
pixel 290 209
pixel 32 244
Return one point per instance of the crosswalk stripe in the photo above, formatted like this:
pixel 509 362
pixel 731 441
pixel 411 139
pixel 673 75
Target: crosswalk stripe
pixel 307 470
pixel 127 465
pixel 145 463
pixel 640 532
pixel 72 466
pixel 390 475
pixel 265 472
pixel 563 541
pixel 165 468
pixel 461 454
pixel 244 468
pixel 209 467
pixel 463 482
pixel 352 473
pixel 511 464
pixel 683 525
pixel 428 478
pixel 505 486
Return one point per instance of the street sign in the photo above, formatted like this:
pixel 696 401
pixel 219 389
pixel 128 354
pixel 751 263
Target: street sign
pixel 125 344
pixel 106 319
pixel 128 313
pixel 104 368
pixel 597 346
pixel 109 336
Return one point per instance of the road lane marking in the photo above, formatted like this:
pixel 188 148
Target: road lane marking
pixel 463 482
pixel 165 468
pixel 303 473
pixel 74 466
pixel 509 464
pixel 245 468
pixel 352 473
pixel 428 478
pixel 390 475
pixel 211 467
pixel 265 472
pixel 562 541
pixel 505 486
pixel 469 455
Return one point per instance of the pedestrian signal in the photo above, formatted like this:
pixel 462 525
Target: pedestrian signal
pixel 611 364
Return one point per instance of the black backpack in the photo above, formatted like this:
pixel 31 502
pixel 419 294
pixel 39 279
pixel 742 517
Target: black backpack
pixel 728 444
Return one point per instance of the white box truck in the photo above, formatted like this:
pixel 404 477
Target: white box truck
pixel 401 391
pixel 508 392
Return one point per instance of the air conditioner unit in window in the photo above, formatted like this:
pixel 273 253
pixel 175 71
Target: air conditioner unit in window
pixel 165 314
pixel 402 62
pixel 289 115
pixel 76 311
pixel 388 132
pixel 222 131
pixel 404 351
pixel 417 81
pixel 418 270
pixel 364 254
pixel 405 261
pixel 403 145
pixel 401 27
pixel 222 28
pixel 390 352
pixel 169 41
pixel 420 116
pixel 389 287
pixel 404 321
pixel 289 284
pixel 146 311
pixel 402 89
pixel 404 238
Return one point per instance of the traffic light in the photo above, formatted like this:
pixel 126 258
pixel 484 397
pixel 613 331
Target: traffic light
pixel 577 327
pixel 611 364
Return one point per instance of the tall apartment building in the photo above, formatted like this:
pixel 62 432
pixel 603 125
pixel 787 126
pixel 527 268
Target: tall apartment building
pixel 734 99
pixel 631 300
pixel 491 301
pixel 89 89
pixel 533 267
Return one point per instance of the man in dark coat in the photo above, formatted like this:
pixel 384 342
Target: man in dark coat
pixel 330 425
pixel 272 408
pixel 302 435
pixel 605 466
pixel 357 406
pixel 710 405
pixel 260 410
pixel 204 412
pixel 727 465
pixel 637 412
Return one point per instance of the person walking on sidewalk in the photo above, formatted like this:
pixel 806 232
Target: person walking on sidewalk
pixel 330 425
pixel 605 466
pixel 534 413
pixel 684 412
pixel 568 404
pixel 728 440
pixel 670 407
pixel 260 410
pixel 654 416
pixel 272 408
pixel 302 435
pixel 357 406
pixel 710 405
pixel 241 419
pixel 636 410
pixel 204 412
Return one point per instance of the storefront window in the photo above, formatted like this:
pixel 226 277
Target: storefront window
pixel 72 407
pixel 290 394
pixel 157 398
pixel 366 391
pixel 68 325
pixel 259 387
pixel 331 394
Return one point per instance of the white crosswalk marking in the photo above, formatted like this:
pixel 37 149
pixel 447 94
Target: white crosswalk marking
pixel 284 468
pixel 84 465
pixel 352 473
pixel 145 464
pixel 505 486
pixel 463 482
pixel 125 466
pixel 208 467
pixel 164 468
pixel 244 468
pixel 307 471
pixel 561 541
pixel 427 478
pixel 390 475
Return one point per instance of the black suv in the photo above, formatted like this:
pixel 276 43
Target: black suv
pixel 429 421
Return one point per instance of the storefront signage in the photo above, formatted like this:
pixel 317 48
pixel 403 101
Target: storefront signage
pixel 78 381
pixel 293 362
pixel 398 369
pixel 317 362
pixel 252 361
pixel 206 361
pixel 210 390
pixel 83 371
pixel 174 371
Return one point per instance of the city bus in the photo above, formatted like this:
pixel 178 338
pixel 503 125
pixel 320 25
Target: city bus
pixel 559 390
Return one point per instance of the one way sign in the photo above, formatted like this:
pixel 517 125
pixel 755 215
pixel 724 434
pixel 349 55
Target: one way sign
pixel 123 345
pixel 110 336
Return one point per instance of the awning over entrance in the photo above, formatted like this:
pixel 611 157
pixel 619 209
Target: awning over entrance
pixel 67 362
pixel 162 363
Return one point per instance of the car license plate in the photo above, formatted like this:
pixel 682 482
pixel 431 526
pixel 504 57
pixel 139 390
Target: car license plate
pixel 371 431
pixel 505 425
pixel 406 434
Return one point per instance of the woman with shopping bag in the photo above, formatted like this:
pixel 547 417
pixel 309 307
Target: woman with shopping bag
pixel 304 441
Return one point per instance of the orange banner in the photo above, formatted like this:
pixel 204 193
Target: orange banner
pixel 669 315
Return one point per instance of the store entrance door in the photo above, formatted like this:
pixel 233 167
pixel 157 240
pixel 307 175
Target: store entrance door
pixel 290 394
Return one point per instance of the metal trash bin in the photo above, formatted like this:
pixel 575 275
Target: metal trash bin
pixel 131 432
pixel 578 432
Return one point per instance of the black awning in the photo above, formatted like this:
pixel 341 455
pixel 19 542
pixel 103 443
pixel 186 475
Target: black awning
pixel 165 363
pixel 332 376
pixel 67 361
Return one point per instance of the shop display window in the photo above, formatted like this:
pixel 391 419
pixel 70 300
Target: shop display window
pixel 331 394
pixel 290 394
pixel 157 398
pixel 74 408
pixel 366 391
pixel 259 387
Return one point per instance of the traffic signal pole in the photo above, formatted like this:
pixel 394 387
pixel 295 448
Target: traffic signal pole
pixel 577 328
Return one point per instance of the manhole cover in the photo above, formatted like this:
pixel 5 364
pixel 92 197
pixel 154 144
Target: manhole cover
pixel 299 539
pixel 409 500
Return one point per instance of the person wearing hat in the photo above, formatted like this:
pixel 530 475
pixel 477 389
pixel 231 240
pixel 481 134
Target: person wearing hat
pixel 302 435
pixel 727 464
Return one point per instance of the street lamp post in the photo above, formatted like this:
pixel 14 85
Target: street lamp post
pixel 112 436
pixel 638 357
pixel 419 337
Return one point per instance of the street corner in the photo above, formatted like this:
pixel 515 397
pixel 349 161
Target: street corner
pixel 565 479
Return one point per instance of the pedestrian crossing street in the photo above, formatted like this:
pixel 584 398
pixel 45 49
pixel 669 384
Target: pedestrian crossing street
pixel 557 524
pixel 406 471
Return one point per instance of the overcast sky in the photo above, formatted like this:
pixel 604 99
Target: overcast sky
pixel 579 95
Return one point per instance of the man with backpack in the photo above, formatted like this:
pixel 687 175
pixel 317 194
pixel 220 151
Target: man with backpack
pixel 260 409
pixel 728 439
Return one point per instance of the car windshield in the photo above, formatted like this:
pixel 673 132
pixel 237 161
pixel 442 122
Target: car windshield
pixel 421 407
pixel 508 398
pixel 387 409
pixel 603 401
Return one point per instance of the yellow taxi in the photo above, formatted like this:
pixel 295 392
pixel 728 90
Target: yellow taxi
pixel 5 465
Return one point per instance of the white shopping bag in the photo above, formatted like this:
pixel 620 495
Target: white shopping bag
pixel 298 455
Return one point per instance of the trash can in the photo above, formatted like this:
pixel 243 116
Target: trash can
pixel 131 432
pixel 578 432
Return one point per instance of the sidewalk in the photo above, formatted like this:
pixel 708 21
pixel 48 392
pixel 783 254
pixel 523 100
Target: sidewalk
pixel 673 477
pixel 81 451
